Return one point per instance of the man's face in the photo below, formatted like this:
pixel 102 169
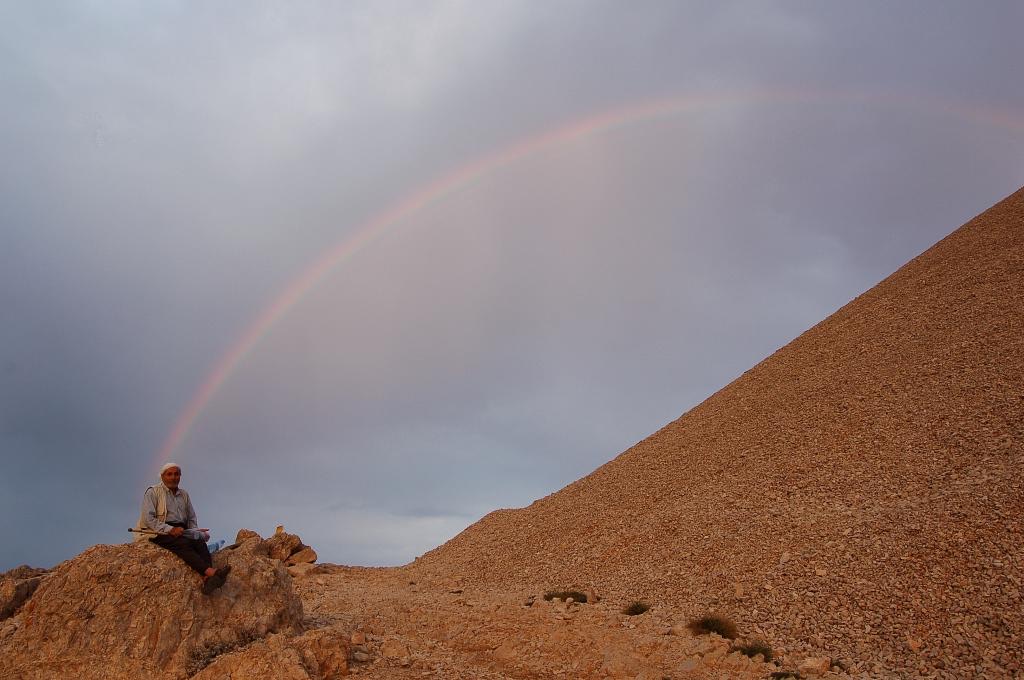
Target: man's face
pixel 170 477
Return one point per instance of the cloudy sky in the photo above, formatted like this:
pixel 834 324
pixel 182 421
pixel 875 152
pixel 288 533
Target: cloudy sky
pixel 545 229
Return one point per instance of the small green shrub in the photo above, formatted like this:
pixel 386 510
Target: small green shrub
pixel 636 608
pixel 713 623
pixel 755 647
pixel 576 595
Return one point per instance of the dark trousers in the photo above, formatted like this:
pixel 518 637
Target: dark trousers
pixel 193 551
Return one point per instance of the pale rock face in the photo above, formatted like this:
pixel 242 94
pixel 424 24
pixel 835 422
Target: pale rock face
pixel 137 611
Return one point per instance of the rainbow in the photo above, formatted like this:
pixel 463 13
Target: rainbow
pixel 461 178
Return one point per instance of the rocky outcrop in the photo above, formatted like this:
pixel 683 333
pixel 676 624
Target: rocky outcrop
pixel 23 572
pixel 16 586
pixel 316 655
pixel 283 545
pixel 137 611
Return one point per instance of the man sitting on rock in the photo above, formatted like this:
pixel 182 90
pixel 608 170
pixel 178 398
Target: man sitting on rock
pixel 167 511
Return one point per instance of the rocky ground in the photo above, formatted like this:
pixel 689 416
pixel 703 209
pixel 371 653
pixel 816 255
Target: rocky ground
pixel 440 628
pixel 136 611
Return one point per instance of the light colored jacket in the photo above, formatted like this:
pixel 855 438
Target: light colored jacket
pixel 160 497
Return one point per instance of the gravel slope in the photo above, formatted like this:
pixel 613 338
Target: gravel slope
pixel 857 495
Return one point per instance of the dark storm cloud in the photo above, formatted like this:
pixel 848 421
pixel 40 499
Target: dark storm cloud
pixel 168 168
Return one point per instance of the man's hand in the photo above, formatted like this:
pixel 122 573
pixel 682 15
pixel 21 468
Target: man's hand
pixel 175 532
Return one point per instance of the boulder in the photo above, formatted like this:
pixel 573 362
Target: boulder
pixel 329 648
pixel 305 555
pixel 137 611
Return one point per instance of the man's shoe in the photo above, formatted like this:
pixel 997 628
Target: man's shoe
pixel 213 582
